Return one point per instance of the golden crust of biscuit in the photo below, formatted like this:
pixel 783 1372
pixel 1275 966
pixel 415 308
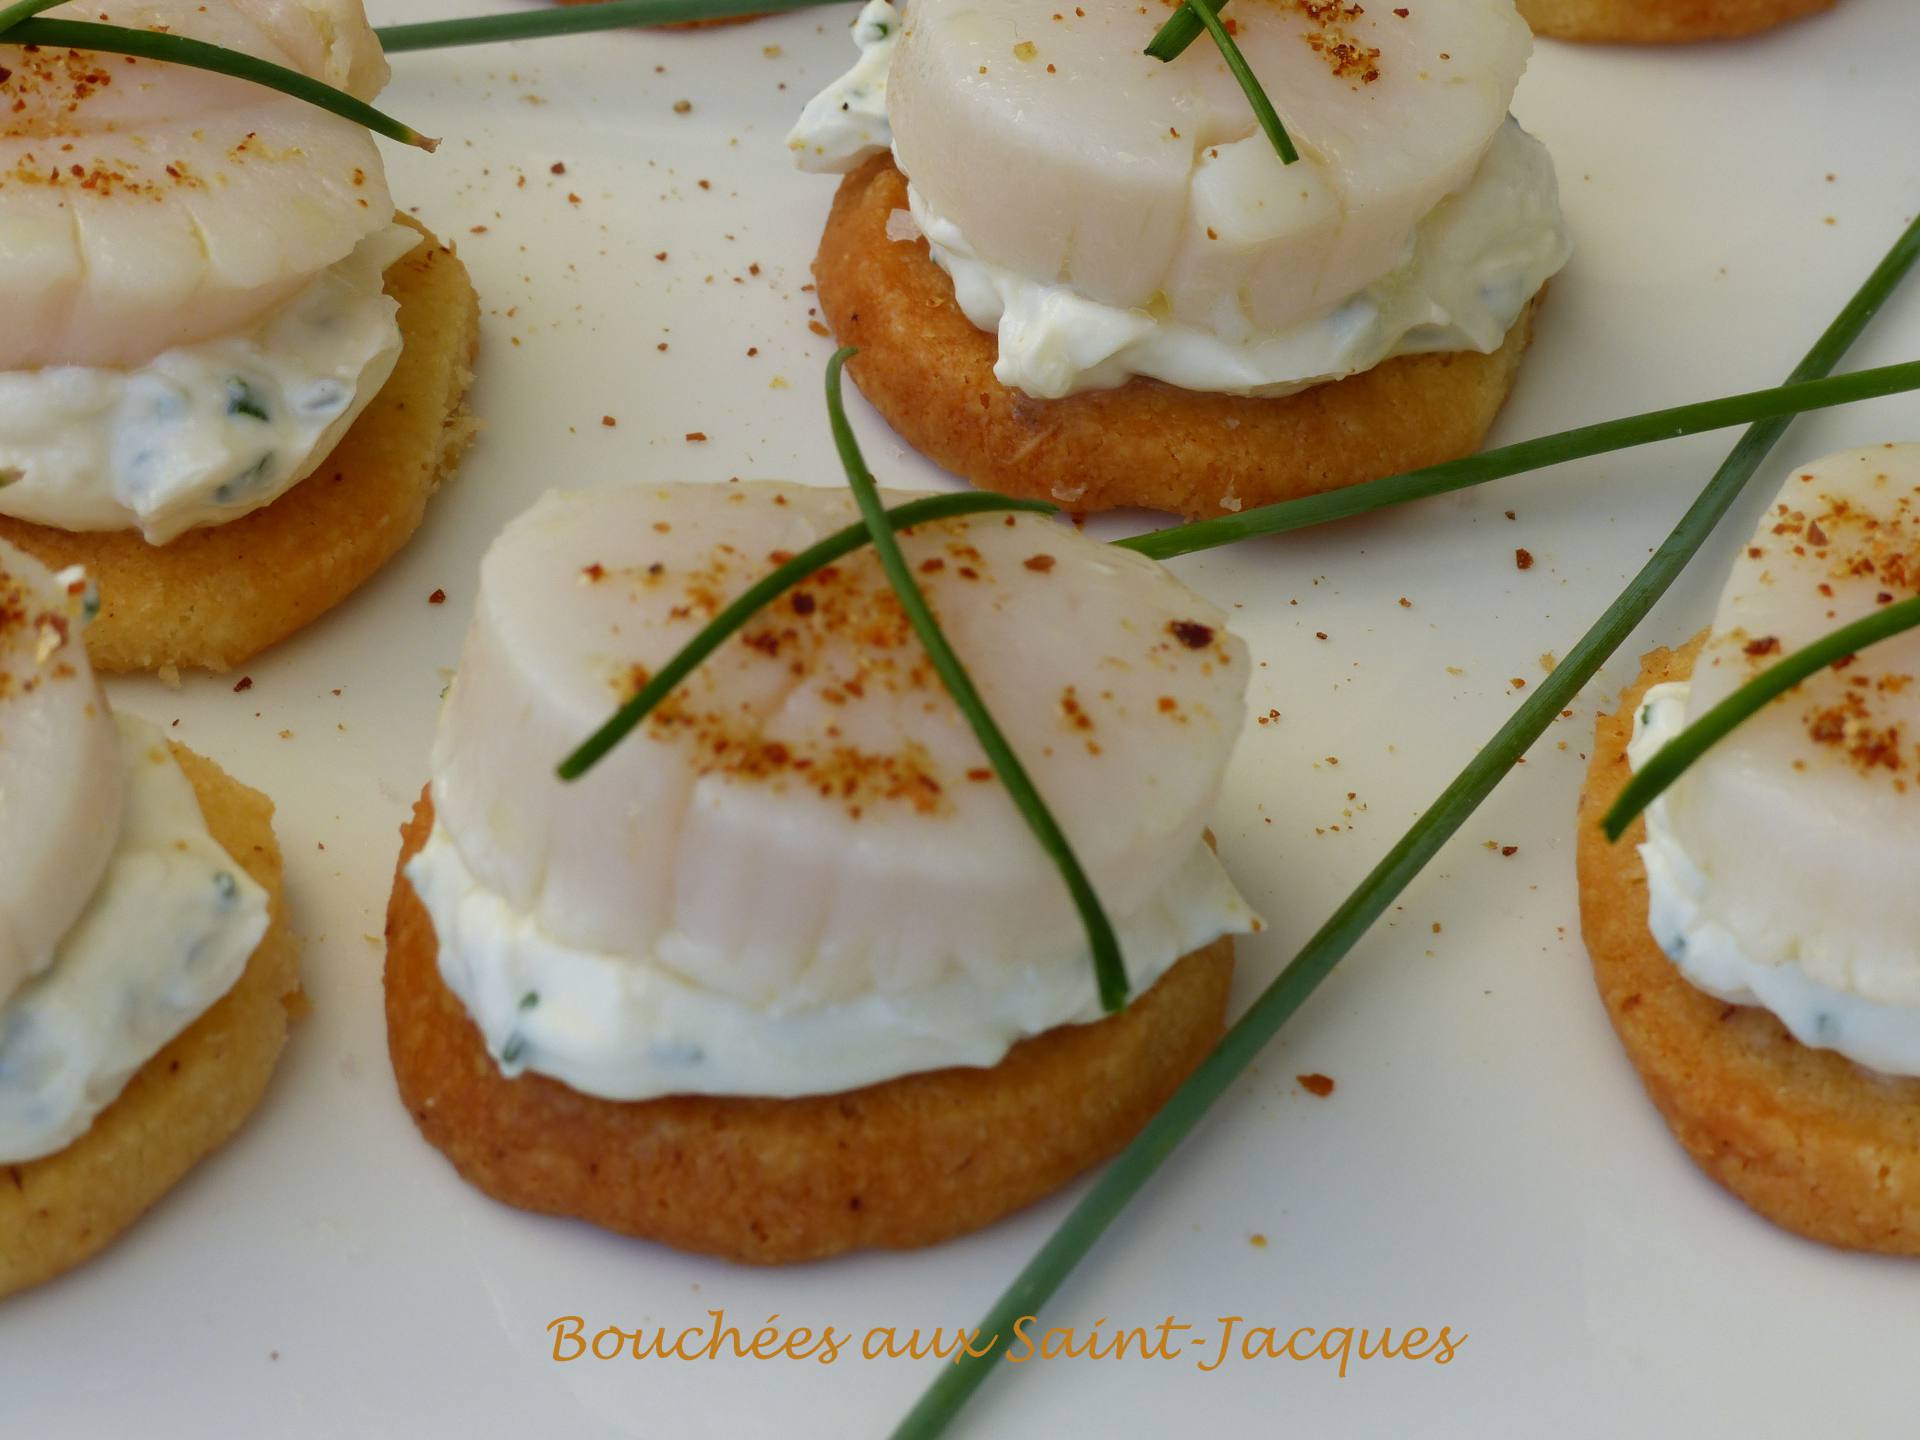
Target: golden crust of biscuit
pixel 187 1100
pixel 929 371
pixel 901 1164
pixel 1805 1137
pixel 1661 22
pixel 216 596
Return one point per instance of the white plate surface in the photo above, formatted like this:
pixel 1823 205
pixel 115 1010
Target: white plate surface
pixel 1487 1161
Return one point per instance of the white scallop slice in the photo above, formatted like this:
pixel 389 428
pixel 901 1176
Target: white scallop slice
pixel 145 205
pixel 1064 153
pixel 61 777
pixel 1805 822
pixel 812 819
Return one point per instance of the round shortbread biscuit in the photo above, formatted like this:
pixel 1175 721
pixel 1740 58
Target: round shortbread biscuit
pixel 218 595
pixel 929 371
pixel 900 1164
pixel 1660 22
pixel 1810 1140
pixel 182 1104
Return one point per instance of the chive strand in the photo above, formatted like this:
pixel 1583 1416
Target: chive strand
pixel 1576 444
pixel 1263 110
pixel 1110 973
pixel 764 593
pixel 199 55
pixel 1673 759
pixel 1181 30
pixel 1288 515
pixel 12 15
pixel 1137 1164
pixel 574 20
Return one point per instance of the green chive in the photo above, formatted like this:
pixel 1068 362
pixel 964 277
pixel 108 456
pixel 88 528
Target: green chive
pixel 1172 38
pixel 243 399
pixel 575 20
pixel 1251 1034
pixel 1783 400
pixel 1674 758
pixel 763 594
pixel 1288 515
pixel 11 15
pixel 198 55
pixel 1263 110
pixel 1108 970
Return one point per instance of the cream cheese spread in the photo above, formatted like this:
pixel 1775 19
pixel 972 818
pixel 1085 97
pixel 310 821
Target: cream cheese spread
pixel 846 123
pixel 166 933
pixel 203 434
pixel 1474 262
pixel 609 1026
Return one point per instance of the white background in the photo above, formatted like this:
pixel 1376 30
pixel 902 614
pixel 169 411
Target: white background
pixel 1487 1161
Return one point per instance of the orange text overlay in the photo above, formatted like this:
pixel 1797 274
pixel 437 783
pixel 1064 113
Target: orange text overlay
pixel 1207 1346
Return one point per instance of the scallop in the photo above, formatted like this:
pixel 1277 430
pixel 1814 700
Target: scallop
pixel 1065 154
pixel 1804 823
pixel 61 776
pixel 145 205
pixel 809 819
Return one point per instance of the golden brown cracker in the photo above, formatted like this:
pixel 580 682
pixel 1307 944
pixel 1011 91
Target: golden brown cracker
pixel 929 371
pixel 1660 22
pixel 1810 1140
pixel 216 596
pixel 905 1163
pixel 186 1101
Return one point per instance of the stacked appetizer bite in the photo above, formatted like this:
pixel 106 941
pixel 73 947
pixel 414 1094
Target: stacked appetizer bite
pixel 145 969
pixel 1758 946
pixel 1661 22
pixel 787 974
pixel 1076 272
pixel 230 375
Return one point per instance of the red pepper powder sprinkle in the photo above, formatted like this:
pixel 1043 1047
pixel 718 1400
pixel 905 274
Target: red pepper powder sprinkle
pixel 42 633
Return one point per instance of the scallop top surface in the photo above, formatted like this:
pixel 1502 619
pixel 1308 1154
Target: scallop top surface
pixel 1806 820
pixel 810 806
pixel 146 205
pixel 60 769
pixel 1064 153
